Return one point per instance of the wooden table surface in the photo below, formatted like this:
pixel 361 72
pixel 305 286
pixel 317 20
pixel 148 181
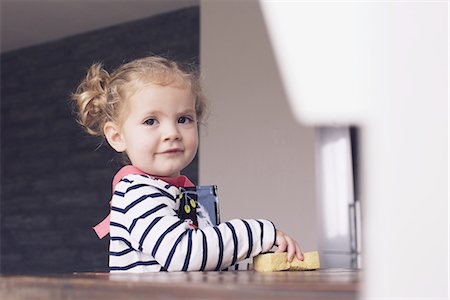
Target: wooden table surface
pixel 312 285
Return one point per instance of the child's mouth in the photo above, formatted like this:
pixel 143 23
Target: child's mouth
pixel 172 151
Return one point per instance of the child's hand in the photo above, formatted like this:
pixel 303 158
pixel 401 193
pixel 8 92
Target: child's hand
pixel 287 244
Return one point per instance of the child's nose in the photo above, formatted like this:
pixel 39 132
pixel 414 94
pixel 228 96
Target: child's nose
pixel 171 132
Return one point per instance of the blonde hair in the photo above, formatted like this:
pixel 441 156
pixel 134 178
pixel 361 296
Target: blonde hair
pixel 101 96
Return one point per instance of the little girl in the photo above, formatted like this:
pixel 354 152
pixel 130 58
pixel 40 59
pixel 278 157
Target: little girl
pixel 149 109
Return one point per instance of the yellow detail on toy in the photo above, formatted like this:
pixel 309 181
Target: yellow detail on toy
pixel 187 208
pixel 193 203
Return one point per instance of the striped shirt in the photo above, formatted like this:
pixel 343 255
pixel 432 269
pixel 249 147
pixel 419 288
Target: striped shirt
pixel 146 235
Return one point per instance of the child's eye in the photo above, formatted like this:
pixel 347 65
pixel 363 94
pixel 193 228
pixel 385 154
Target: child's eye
pixel 151 122
pixel 185 120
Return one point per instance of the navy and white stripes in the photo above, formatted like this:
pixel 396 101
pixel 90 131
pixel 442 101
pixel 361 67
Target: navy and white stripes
pixel 148 236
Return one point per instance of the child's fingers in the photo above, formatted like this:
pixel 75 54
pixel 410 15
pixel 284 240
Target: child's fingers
pixel 287 244
pixel 291 248
pixel 299 252
pixel 281 242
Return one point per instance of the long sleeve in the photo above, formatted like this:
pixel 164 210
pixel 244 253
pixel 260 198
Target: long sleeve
pixel 147 235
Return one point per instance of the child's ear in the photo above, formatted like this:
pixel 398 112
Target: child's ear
pixel 114 136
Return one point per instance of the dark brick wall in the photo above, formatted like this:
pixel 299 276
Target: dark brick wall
pixel 55 181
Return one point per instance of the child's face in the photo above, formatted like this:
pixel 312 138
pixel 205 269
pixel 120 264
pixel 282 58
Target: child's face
pixel 160 129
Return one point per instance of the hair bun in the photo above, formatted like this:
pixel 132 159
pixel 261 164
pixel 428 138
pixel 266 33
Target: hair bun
pixel 91 100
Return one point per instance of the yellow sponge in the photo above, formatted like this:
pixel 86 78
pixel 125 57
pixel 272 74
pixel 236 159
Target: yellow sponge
pixel 270 262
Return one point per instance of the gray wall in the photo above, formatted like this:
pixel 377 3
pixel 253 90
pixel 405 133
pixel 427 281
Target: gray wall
pixel 55 181
pixel 261 158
